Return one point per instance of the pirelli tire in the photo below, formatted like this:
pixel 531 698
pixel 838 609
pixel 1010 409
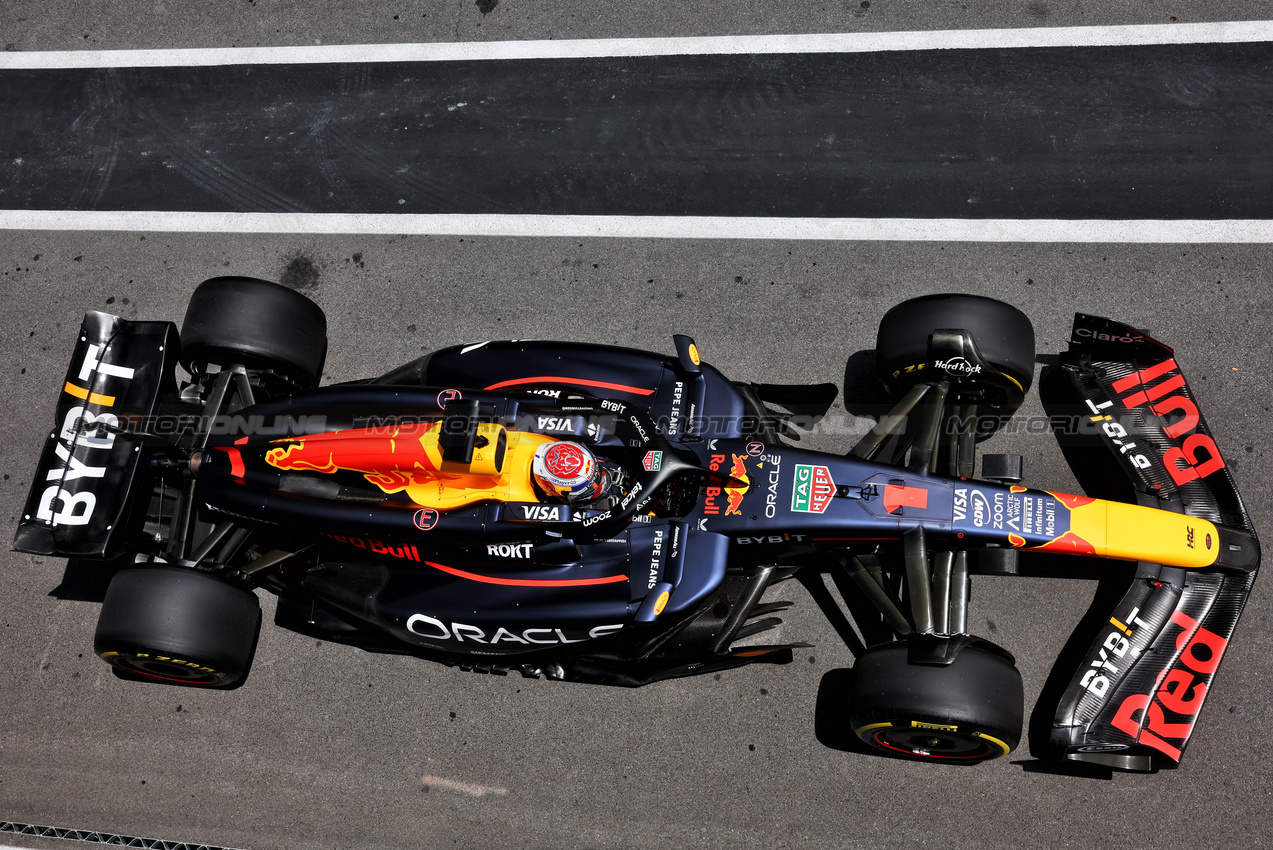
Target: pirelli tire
pixel 177 626
pixel 1004 335
pixel 256 324
pixel 968 712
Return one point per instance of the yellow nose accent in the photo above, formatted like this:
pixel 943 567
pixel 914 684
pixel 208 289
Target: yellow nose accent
pixel 1135 533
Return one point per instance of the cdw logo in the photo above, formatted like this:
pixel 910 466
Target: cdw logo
pixel 1198 456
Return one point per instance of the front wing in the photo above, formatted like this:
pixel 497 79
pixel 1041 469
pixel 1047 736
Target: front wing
pixel 1135 698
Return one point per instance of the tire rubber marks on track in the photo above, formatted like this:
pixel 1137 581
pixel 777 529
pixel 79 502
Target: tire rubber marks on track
pixel 106 114
pixel 55 621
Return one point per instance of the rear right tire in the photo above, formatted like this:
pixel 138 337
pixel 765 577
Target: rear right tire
pixel 256 324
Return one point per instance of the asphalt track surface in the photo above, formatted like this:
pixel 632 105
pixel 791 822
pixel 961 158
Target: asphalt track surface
pixel 1113 132
pixel 328 747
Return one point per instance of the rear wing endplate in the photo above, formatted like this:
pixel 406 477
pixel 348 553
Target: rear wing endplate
pixel 79 503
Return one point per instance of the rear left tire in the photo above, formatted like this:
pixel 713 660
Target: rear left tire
pixel 177 626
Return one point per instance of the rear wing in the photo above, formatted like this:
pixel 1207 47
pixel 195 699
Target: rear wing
pixel 79 503
pixel 1133 702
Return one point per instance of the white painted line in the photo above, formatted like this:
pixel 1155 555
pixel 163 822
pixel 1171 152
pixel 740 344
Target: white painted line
pixel 654 227
pixel 868 42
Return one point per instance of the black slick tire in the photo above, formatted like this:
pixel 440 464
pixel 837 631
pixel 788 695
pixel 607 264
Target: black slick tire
pixel 964 713
pixel 1004 335
pixel 178 626
pixel 256 324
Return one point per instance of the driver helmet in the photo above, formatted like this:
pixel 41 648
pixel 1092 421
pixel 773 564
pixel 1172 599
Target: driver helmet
pixel 568 471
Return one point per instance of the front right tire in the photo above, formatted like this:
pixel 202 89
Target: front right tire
pixel 967 712
pixel 1004 336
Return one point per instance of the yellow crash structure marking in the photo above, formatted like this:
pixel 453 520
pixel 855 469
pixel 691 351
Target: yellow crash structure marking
pixel 661 603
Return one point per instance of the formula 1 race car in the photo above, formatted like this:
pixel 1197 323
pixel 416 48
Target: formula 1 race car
pixel 599 514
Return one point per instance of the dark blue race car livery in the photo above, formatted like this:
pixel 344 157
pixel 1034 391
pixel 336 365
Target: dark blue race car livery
pixel 406 513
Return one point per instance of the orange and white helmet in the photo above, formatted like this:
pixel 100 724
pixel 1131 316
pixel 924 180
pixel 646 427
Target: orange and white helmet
pixel 568 471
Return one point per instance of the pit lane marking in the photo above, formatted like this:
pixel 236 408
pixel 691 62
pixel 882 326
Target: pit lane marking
pixel 656 227
pixel 1098 36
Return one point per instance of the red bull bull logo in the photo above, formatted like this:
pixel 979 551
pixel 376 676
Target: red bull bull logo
pixel 734 495
pixel 407 458
pixel 390 458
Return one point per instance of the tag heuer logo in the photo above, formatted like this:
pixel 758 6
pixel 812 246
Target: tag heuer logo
pixel 653 461
pixel 813 489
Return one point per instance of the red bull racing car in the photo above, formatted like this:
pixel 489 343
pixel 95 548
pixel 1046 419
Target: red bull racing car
pixel 599 514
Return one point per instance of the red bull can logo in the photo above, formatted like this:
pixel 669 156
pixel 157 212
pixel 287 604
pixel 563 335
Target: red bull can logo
pixel 730 497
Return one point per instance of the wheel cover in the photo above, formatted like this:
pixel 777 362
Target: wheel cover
pixel 933 741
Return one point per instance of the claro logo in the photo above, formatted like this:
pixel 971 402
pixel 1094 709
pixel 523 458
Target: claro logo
pixel 83 431
pixel 1090 333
